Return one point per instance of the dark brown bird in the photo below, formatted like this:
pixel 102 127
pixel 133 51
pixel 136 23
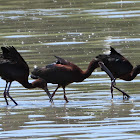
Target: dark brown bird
pixel 64 72
pixel 120 67
pixel 14 68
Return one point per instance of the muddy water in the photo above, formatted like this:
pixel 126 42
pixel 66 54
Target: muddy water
pixel 77 31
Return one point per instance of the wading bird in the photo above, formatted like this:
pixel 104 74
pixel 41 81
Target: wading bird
pixel 120 67
pixel 14 68
pixel 64 72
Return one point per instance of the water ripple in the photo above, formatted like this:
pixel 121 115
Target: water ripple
pixel 113 39
pixel 18 36
pixel 63 43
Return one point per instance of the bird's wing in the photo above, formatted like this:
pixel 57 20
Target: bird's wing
pixel 5 57
pixel 5 52
pixel 61 61
pixel 52 68
pixel 114 54
pixel 113 51
pixel 11 54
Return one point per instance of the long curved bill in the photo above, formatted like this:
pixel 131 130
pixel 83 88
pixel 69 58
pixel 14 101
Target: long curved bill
pixel 104 68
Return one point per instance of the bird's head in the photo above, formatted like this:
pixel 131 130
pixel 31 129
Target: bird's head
pixel 40 83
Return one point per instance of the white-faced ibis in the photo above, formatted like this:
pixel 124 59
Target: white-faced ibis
pixel 14 68
pixel 120 67
pixel 64 72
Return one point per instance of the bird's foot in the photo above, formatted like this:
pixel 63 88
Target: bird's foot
pixel 16 104
pixel 51 99
pixel 126 97
pixel 67 101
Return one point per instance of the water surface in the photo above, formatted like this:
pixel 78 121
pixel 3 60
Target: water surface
pixel 76 30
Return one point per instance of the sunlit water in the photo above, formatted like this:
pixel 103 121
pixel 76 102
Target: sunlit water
pixel 77 31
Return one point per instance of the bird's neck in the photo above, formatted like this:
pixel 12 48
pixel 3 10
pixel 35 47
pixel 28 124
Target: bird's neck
pixel 37 83
pixel 28 85
pixel 91 67
pixel 135 72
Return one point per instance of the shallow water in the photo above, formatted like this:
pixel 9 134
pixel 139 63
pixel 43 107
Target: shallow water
pixel 77 31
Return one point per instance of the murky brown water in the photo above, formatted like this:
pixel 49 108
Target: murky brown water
pixel 77 30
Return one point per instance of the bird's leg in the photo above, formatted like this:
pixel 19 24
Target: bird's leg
pixel 112 85
pixel 124 94
pixel 65 95
pixel 4 94
pixel 112 90
pixel 7 93
pixel 54 92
